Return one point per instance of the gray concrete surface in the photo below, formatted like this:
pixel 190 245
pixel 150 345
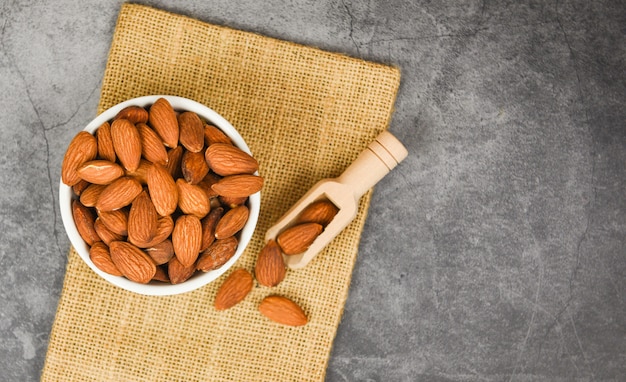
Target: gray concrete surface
pixel 495 252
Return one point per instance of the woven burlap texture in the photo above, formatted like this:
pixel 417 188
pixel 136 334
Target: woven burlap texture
pixel 306 114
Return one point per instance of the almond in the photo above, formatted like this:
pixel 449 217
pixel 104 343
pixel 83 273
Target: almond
pixel 231 202
pixel 118 194
pixel 90 196
pixel 174 160
pixel 298 238
pixel 192 200
pixel 234 289
pixel 225 159
pixel 135 114
pixel 116 221
pixel 81 149
pixel 283 311
pixel 127 143
pixel 217 254
pixel 270 266
pixel 132 262
pixel 162 189
pixel 214 135
pixel 238 185
pixel 208 227
pixel 178 272
pixel 100 171
pixel 232 222
pixel 141 173
pixel 79 187
pixel 101 258
pixel 187 239
pixel 162 117
pixel 161 275
pixel 206 183
pixel 320 212
pixel 161 253
pixel 152 147
pixel 105 143
pixel 142 220
pixel 194 167
pixel 164 229
pixel 84 220
pixel 191 131
pixel 105 233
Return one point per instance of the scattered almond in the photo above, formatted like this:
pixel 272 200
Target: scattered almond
pixel 234 289
pixel 283 311
pixel 270 266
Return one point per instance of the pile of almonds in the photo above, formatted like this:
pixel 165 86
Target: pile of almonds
pixel 160 194
pixel 270 266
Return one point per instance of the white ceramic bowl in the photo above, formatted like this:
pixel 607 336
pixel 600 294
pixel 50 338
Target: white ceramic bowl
pixel 199 279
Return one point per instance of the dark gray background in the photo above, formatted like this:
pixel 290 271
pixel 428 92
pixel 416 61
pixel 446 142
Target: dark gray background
pixel 494 252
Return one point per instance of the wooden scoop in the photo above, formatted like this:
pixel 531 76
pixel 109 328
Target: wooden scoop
pixel 380 157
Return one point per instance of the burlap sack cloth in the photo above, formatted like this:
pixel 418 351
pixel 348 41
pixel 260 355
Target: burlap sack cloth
pixel 306 114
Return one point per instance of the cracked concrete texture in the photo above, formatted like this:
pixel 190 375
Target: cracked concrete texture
pixel 494 252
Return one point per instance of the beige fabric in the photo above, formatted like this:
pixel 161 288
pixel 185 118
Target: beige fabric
pixel 306 114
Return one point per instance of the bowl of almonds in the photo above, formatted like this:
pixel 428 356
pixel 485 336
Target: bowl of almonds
pixel 159 195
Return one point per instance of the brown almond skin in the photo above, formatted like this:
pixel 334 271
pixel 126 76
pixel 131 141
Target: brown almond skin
pixel 174 160
pixel 132 262
pixel 90 195
pixel 179 273
pixel 217 254
pixel 191 131
pixel 209 180
pixel 164 229
pixel 135 114
pixel 225 159
pixel 118 194
pixel 127 143
pixel 162 118
pixel 214 135
pixel 230 202
pixel 116 221
pixel 232 222
pixel 85 219
pixel 161 275
pixel 79 187
pixel 208 227
pixel 187 239
pixel 296 239
pixel 152 147
pixel 101 258
pixel 270 266
pixel 283 311
pixel 105 143
pixel 100 171
pixel 238 185
pixel 192 199
pixel 142 220
pixel 162 189
pixel 162 252
pixel 234 289
pixel 194 167
pixel 81 149
pixel 105 233
pixel 141 173
pixel 321 212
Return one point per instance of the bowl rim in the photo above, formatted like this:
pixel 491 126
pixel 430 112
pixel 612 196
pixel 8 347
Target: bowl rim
pixel 199 279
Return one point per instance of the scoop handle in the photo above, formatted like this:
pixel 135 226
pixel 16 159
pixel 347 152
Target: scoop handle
pixel 378 158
